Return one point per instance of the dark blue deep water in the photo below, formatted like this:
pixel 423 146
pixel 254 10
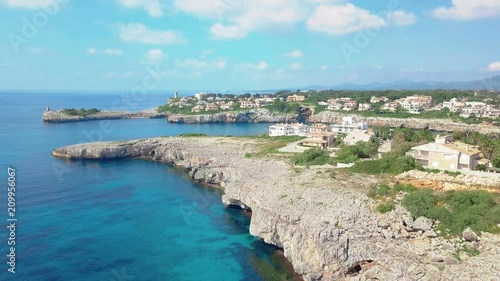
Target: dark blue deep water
pixel 117 220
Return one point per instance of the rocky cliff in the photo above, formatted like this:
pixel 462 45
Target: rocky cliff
pixel 326 226
pixel 248 116
pixel 441 125
pixel 60 117
pixel 330 117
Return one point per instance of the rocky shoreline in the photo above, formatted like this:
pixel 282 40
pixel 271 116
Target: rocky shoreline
pixel 248 116
pixel 60 117
pixel 326 227
pixel 262 115
pixel 330 117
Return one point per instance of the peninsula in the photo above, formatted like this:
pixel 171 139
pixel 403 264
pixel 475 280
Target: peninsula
pixel 74 115
pixel 324 221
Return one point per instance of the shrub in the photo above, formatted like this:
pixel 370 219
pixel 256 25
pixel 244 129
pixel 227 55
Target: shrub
pixel 389 163
pixel 404 188
pixel 313 156
pixel 193 135
pixel 456 210
pixel 419 202
pixel 385 207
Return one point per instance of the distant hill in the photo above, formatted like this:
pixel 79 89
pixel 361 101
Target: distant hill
pixel 490 83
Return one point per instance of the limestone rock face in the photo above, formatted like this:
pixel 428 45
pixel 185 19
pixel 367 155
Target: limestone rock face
pixel 469 235
pixel 260 115
pixel 442 125
pixel 326 227
pixel 422 223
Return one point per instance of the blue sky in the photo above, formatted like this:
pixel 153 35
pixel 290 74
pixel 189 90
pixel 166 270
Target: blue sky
pixel 243 44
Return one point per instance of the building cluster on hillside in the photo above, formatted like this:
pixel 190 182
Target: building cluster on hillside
pixel 413 104
pixel 322 135
pixel 346 104
pixel 295 98
pixel 472 108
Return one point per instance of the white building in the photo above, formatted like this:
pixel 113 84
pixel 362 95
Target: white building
pixel 357 136
pixel 289 130
pixel 349 125
pixel 364 106
pixel 454 105
pixel 199 96
pixel 335 106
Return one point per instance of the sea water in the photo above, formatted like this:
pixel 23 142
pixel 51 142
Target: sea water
pixel 115 220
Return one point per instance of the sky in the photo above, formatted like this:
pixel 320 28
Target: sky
pixel 105 45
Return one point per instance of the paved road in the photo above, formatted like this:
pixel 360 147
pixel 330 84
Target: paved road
pixel 293 148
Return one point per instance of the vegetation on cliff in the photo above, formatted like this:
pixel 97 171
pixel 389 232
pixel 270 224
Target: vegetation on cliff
pixel 455 210
pixel 313 156
pixel 80 112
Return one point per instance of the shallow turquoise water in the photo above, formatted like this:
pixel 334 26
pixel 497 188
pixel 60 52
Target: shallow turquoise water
pixel 114 220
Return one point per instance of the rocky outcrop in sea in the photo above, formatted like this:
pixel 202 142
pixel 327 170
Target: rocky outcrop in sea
pixel 59 116
pixel 326 226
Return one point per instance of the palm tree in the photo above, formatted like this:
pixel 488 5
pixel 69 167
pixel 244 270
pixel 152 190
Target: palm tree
pixel 487 146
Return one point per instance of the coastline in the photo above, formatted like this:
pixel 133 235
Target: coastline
pixel 60 117
pixel 326 227
pixel 265 116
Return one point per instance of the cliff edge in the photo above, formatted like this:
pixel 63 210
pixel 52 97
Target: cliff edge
pixel 326 226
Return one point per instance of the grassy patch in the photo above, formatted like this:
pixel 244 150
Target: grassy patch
pixel 385 207
pixel 80 112
pixel 456 210
pixel 464 249
pixel 389 164
pixel 189 135
pixel 312 156
pixel 269 145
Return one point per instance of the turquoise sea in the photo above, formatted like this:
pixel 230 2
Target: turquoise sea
pixel 116 220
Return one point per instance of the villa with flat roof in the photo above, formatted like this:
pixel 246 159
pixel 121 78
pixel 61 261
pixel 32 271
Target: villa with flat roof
pixel 446 154
pixel 349 125
pixel 297 129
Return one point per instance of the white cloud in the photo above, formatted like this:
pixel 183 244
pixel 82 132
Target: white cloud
pixel 296 66
pixel 260 65
pixel 324 67
pixel 32 4
pixel 221 31
pixel 295 54
pixel 342 19
pixel 468 10
pixel 221 64
pixel 113 52
pixel 401 17
pixel 494 66
pixel 139 33
pixel 242 17
pixel 155 55
pixel 152 7
pixel 111 75
pixel 196 64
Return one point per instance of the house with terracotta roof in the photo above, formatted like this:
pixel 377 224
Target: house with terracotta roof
pixel 446 154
